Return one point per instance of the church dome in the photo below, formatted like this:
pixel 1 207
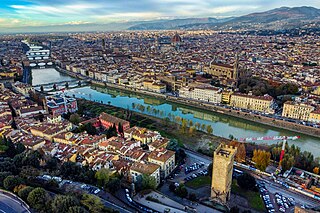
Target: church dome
pixel 176 39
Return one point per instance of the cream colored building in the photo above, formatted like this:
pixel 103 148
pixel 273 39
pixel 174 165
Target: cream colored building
pixel 250 102
pixel 154 86
pixel 297 111
pixel 151 169
pixel 165 159
pixel 204 93
pixel 315 116
pixel 222 169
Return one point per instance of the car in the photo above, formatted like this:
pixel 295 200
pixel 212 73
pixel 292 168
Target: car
pixel 83 186
pixel 286 205
pixel 281 209
pixel 96 191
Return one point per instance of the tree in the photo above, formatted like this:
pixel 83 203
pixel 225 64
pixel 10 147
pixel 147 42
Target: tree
pixel 316 170
pixel 181 191
pixel 209 129
pixel 173 145
pixel 180 155
pixel 12 181
pixel 235 209
pixel 192 129
pixel 246 181
pixel 103 176
pixel 210 169
pixel 20 148
pixel 18 188
pixel 241 151
pixel 32 158
pixel 51 163
pixel 114 185
pixel 190 123
pixel 192 197
pixel 287 162
pixel 261 158
pixel 148 182
pixel 92 203
pixel 90 129
pixel 3 176
pixel 120 130
pixel 203 127
pixel 197 125
pixel 7 147
pixel 38 199
pixel 70 170
pixel 172 187
pixel 77 209
pixel 74 118
pixel 7 166
pixel 184 125
pixel 23 193
pixel 178 119
pixel 62 203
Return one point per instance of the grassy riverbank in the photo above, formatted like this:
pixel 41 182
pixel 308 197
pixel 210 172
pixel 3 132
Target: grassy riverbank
pixel 196 140
pixel 271 122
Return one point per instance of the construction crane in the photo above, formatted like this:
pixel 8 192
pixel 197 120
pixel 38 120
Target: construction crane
pixel 265 138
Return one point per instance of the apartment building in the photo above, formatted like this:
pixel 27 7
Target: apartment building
pixel 138 169
pixel 202 93
pixel 165 159
pixel 263 104
pixel 300 111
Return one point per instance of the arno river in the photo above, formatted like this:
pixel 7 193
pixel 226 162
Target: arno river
pixel 223 125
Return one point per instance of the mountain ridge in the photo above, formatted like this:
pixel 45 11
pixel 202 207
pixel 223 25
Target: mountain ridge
pixel 278 18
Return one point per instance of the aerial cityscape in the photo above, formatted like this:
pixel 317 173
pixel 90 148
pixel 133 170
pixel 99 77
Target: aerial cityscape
pixel 159 106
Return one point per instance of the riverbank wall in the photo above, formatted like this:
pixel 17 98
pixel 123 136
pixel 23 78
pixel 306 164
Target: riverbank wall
pixel 290 126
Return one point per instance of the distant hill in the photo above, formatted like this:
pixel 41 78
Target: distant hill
pixel 172 24
pixel 279 18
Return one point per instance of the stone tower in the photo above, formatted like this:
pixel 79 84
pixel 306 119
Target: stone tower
pixel 222 169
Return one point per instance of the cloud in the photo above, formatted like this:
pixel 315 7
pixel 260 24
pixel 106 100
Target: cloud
pixel 102 11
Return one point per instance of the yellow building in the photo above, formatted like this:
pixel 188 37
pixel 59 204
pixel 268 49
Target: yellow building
pixel 154 87
pixel 315 116
pixel 151 169
pixel 7 74
pixel 222 168
pixel 165 159
pixel 226 96
pixel 250 102
pixel 316 91
pixel 297 111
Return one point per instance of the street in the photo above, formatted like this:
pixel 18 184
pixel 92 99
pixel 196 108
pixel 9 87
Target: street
pixel 9 204
pixel 271 186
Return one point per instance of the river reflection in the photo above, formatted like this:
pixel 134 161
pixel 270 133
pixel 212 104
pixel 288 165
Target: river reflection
pixel 223 125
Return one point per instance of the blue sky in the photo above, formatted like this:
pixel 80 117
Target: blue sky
pixel 20 13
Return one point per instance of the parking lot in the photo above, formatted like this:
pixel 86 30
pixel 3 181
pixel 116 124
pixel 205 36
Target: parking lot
pixel 192 168
pixel 275 202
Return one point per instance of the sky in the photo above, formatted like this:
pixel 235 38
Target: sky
pixel 22 13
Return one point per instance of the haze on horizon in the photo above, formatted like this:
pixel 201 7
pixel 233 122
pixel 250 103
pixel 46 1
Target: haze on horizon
pixel 23 13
